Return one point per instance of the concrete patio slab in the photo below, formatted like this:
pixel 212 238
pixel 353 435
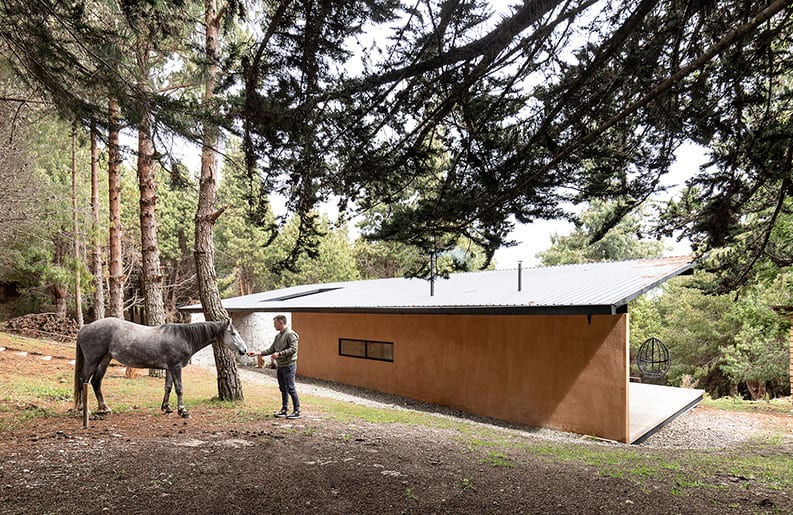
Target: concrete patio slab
pixel 653 406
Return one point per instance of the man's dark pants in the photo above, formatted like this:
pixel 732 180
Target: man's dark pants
pixel 286 383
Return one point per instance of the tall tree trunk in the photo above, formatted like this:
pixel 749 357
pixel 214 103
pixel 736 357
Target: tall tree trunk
pixel 78 298
pixel 790 355
pixel 151 271
pixel 756 389
pixel 154 310
pixel 153 304
pixel 116 269
pixel 229 385
pixel 58 289
pixel 96 247
pixel 244 279
pixel 116 272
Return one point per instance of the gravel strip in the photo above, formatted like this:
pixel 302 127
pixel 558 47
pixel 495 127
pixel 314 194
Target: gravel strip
pixel 706 429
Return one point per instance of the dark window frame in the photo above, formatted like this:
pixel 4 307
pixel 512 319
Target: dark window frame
pixel 366 349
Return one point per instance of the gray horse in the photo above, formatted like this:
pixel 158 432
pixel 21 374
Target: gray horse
pixel 168 347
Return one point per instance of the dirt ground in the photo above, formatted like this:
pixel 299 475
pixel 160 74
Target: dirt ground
pixel 146 462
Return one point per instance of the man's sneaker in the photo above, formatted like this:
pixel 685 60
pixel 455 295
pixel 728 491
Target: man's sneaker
pixel 294 414
pixel 280 414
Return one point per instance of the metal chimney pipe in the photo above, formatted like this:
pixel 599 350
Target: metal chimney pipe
pixel 520 275
pixel 432 274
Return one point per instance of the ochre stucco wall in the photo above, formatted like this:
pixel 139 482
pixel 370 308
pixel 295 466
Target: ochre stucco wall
pixel 545 371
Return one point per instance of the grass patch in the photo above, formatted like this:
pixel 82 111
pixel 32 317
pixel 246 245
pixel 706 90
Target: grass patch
pixel 689 470
pixel 483 443
pixel 773 471
pixel 618 461
pixel 43 392
pixel 499 459
pixel 346 412
pixel 34 346
pixel 16 390
pixel 781 406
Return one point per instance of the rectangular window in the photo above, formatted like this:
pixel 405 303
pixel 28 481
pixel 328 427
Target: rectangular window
pixel 355 348
pixel 367 349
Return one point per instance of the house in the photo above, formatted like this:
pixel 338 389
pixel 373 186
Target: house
pixel 544 347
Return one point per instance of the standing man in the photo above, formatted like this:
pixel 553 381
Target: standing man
pixel 284 352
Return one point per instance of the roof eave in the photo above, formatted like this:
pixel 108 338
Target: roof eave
pixel 610 309
pixel 685 270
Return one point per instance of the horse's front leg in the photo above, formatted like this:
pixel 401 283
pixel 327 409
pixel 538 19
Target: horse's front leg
pixel 177 382
pixel 165 407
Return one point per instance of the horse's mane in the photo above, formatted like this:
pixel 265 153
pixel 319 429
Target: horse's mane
pixel 196 332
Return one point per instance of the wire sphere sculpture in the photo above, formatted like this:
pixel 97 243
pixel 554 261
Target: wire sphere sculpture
pixel 653 358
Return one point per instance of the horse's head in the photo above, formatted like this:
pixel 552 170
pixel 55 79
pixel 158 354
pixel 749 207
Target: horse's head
pixel 233 340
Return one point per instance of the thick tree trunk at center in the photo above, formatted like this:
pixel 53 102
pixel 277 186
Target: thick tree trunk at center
pixel 229 385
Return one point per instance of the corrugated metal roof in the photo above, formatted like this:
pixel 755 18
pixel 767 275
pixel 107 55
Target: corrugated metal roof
pixel 588 288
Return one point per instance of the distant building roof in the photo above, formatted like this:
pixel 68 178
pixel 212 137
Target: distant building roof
pixel 592 288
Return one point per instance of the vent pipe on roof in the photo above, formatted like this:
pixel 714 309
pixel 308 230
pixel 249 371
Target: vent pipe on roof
pixel 432 274
pixel 520 275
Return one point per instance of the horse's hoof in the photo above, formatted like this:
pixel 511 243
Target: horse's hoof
pixel 184 413
pixel 167 410
pixel 103 412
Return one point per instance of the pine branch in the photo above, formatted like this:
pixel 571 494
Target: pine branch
pixel 707 56
pixel 488 46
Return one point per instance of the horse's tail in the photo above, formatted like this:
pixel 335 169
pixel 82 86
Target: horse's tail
pixel 79 363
